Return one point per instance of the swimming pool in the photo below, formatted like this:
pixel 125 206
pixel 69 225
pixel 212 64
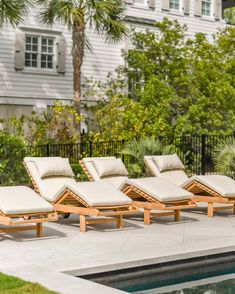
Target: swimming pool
pixel 205 274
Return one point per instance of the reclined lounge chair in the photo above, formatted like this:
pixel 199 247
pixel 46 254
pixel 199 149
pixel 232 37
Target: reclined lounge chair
pixel 207 188
pixel 147 193
pixel 20 205
pixel 53 179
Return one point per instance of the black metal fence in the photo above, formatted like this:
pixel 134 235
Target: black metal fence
pixel 195 151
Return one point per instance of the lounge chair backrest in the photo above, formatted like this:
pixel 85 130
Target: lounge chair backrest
pixel 110 169
pixel 47 186
pixel 168 167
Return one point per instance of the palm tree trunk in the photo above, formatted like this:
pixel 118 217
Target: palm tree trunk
pixel 78 54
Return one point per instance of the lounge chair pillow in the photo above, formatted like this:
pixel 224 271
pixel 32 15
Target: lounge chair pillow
pixel 110 167
pixel 49 167
pixel 168 162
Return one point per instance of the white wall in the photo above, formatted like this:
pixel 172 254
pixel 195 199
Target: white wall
pixel 19 87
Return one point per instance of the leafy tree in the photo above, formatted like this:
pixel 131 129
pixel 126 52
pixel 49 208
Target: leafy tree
pixel 12 11
pixel 177 86
pixel 229 15
pixel 105 16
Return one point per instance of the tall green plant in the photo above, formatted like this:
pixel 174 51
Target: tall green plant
pixel 12 152
pixel 224 157
pixel 105 16
pixel 137 149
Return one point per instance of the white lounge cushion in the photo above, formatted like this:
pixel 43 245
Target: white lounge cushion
pixel 177 177
pixel 88 162
pixel 100 193
pixel 168 162
pixel 111 167
pixel 22 200
pixel 160 189
pixel 48 187
pixel 223 185
pixel 116 181
pixel 48 167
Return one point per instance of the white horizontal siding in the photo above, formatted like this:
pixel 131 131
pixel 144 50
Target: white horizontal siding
pixel 27 88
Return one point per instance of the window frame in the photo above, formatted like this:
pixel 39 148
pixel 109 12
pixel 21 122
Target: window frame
pixel 211 8
pixel 173 9
pixel 40 35
pixel 143 5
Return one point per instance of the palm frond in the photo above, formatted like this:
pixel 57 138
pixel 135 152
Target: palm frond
pixel 224 157
pixel 12 11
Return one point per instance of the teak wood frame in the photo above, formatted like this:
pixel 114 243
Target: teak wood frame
pixel 11 221
pixel 69 202
pixel 148 203
pixel 203 193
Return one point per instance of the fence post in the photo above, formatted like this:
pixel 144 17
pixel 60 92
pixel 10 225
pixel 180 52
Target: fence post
pixel 203 154
pixel 90 148
pixel 123 156
pixel 48 150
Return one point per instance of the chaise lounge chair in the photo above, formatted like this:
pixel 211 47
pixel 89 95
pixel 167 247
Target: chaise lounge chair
pixel 20 205
pixel 53 179
pixel 207 188
pixel 147 193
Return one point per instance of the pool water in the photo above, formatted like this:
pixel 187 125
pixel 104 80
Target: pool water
pixel 224 287
pixel 213 274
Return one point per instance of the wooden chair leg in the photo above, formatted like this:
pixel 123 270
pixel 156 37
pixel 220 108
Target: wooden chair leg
pixel 177 215
pixel 210 209
pixel 39 230
pixel 82 223
pixel 233 208
pixel 147 216
pixel 119 222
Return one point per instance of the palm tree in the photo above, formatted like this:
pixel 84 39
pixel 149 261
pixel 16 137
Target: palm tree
pixel 105 16
pixel 12 11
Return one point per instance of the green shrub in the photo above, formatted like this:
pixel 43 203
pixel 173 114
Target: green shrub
pixel 12 152
pixel 137 149
pixel 79 173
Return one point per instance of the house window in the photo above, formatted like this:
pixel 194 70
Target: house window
pixel 39 52
pixel 206 7
pixel 174 4
pixel 141 2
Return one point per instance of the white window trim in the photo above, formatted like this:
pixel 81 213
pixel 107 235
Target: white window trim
pixel 38 69
pixel 141 5
pixel 177 11
pixel 211 16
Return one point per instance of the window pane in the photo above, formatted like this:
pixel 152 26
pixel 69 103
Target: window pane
pixel 43 57
pixel 35 48
pixel 44 48
pixel 43 64
pixel 35 40
pixel 50 65
pixel 44 41
pixel 174 4
pixel 50 42
pixel 49 58
pixel 28 47
pixel 50 49
pixel 34 63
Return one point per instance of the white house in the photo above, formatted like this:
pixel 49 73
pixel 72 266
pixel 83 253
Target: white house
pixel 35 60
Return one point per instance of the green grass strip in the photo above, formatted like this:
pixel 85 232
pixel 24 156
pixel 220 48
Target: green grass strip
pixel 12 285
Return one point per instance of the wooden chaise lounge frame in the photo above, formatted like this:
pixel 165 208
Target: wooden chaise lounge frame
pixel 148 203
pixel 203 193
pixel 28 218
pixel 69 202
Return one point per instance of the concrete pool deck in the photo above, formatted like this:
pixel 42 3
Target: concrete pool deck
pixel 64 252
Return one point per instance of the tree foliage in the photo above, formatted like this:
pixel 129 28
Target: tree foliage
pixel 13 11
pixel 177 86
